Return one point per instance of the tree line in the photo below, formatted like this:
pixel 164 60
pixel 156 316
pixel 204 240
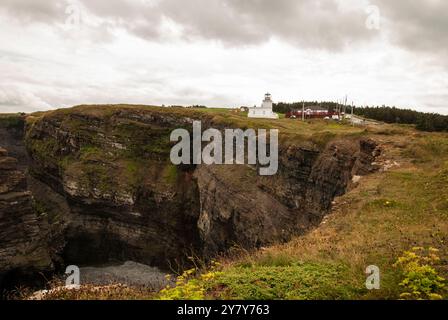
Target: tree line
pixel 422 120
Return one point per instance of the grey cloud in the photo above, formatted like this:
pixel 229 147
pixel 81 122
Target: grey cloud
pixel 43 79
pixel 414 24
pixel 317 24
pixel 417 25
pixel 35 10
pixel 309 23
pixel 13 99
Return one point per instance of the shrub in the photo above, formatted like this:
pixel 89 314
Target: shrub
pixel 190 285
pixel 420 279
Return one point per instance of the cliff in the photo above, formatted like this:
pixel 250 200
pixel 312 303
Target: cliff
pixel 23 246
pixel 103 178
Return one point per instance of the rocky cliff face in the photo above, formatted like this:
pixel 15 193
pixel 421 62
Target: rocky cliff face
pixel 103 178
pixel 23 246
pixel 114 194
pixel 241 208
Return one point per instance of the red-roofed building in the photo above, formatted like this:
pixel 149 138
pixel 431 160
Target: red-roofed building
pixel 310 113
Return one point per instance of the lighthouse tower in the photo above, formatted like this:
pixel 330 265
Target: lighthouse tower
pixel 265 110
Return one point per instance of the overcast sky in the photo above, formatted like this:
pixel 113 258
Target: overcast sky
pixel 222 53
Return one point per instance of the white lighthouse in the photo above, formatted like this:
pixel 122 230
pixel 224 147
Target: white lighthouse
pixel 265 110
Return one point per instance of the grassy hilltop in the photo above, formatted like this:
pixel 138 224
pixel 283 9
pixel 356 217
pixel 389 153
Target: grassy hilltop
pixel 402 208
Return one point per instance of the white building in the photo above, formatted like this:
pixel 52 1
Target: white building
pixel 264 111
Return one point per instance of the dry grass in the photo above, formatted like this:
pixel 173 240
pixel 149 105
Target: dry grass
pixel 388 213
pixel 58 291
pixel 92 292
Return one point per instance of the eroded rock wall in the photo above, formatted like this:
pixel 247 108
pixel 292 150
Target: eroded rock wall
pixel 23 246
pixel 238 207
pixel 123 198
pixel 109 192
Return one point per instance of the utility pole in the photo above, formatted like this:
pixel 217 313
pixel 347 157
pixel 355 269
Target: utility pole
pixel 345 105
pixel 339 111
pixel 353 120
pixel 303 111
pixel 337 106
